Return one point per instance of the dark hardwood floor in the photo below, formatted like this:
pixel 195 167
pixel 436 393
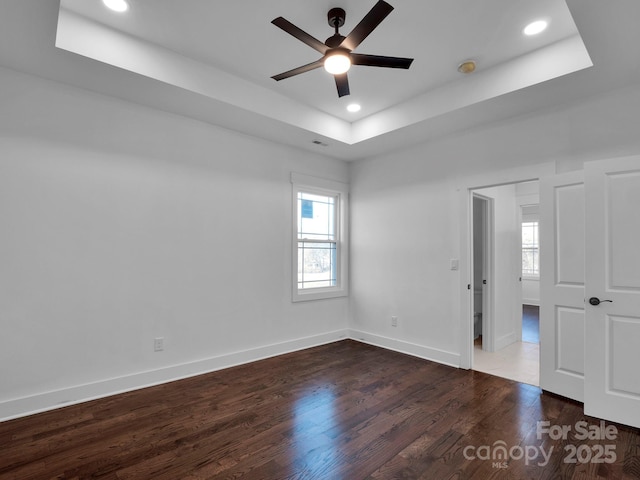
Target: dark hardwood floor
pixel 344 411
pixel 531 323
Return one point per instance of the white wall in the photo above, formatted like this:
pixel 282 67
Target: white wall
pixel 531 291
pixel 406 220
pixel 408 212
pixel 121 224
pixel 402 240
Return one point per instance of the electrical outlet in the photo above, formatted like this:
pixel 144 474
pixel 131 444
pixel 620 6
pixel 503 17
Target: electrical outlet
pixel 394 321
pixel 158 344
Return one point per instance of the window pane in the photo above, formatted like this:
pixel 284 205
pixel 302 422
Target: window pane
pixel 316 217
pixel 528 237
pixel 316 265
pixel 530 249
pixel 527 262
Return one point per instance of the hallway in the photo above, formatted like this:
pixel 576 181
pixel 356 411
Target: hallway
pixel 519 361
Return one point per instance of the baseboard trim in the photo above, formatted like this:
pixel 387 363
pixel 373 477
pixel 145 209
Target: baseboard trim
pixel 42 402
pixel 505 341
pixel 427 353
pixel 22 407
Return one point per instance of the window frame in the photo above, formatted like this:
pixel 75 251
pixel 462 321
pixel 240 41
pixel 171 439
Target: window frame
pixel 535 248
pixel 340 191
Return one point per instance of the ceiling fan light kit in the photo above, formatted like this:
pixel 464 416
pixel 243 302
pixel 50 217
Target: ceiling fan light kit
pixel 337 50
pixel 337 61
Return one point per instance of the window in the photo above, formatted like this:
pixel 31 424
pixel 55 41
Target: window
pixel 530 250
pixel 317 240
pixel 320 246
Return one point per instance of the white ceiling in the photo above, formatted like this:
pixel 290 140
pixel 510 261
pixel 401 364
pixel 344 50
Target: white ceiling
pixel 438 34
pixel 213 61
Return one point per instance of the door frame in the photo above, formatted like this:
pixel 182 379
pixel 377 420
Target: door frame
pixel 494 179
pixel 488 253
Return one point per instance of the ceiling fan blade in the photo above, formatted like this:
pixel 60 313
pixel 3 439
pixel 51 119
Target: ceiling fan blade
pixel 380 61
pixel 300 34
pixel 342 82
pixel 297 71
pixel 370 21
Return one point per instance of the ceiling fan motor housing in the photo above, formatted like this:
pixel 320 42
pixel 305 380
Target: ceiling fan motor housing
pixel 336 17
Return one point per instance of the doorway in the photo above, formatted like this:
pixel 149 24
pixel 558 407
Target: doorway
pixel 530 239
pixel 505 315
pixel 482 262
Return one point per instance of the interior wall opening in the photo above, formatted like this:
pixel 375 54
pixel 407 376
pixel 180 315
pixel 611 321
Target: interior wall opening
pixel 505 281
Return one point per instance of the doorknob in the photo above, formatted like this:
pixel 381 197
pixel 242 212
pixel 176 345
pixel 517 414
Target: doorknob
pixel 597 301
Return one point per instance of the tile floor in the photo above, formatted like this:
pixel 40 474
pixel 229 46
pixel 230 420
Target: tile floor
pixel 518 361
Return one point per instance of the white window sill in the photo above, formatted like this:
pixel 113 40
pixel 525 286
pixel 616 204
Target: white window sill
pixel 531 278
pixel 319 294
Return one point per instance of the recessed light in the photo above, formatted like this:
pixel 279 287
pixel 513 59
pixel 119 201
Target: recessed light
pixel 353 107
pixel 535 28
pixel 116 5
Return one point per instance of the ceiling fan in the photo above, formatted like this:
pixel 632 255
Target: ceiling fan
pixel 337 50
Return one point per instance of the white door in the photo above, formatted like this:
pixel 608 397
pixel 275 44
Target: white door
pixel 612 348
pixel 485 204
pixel 562 284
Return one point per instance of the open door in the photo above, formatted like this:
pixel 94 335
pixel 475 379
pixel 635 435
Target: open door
pixel 612 348
pixel 482 282
pixel 562 284
pixel 590 288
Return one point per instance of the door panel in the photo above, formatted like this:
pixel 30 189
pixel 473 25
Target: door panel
pixel 612 382
pixel 624 338
pixel 570 341
pixel 623 197
pixel 569 223
pixel 562 223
